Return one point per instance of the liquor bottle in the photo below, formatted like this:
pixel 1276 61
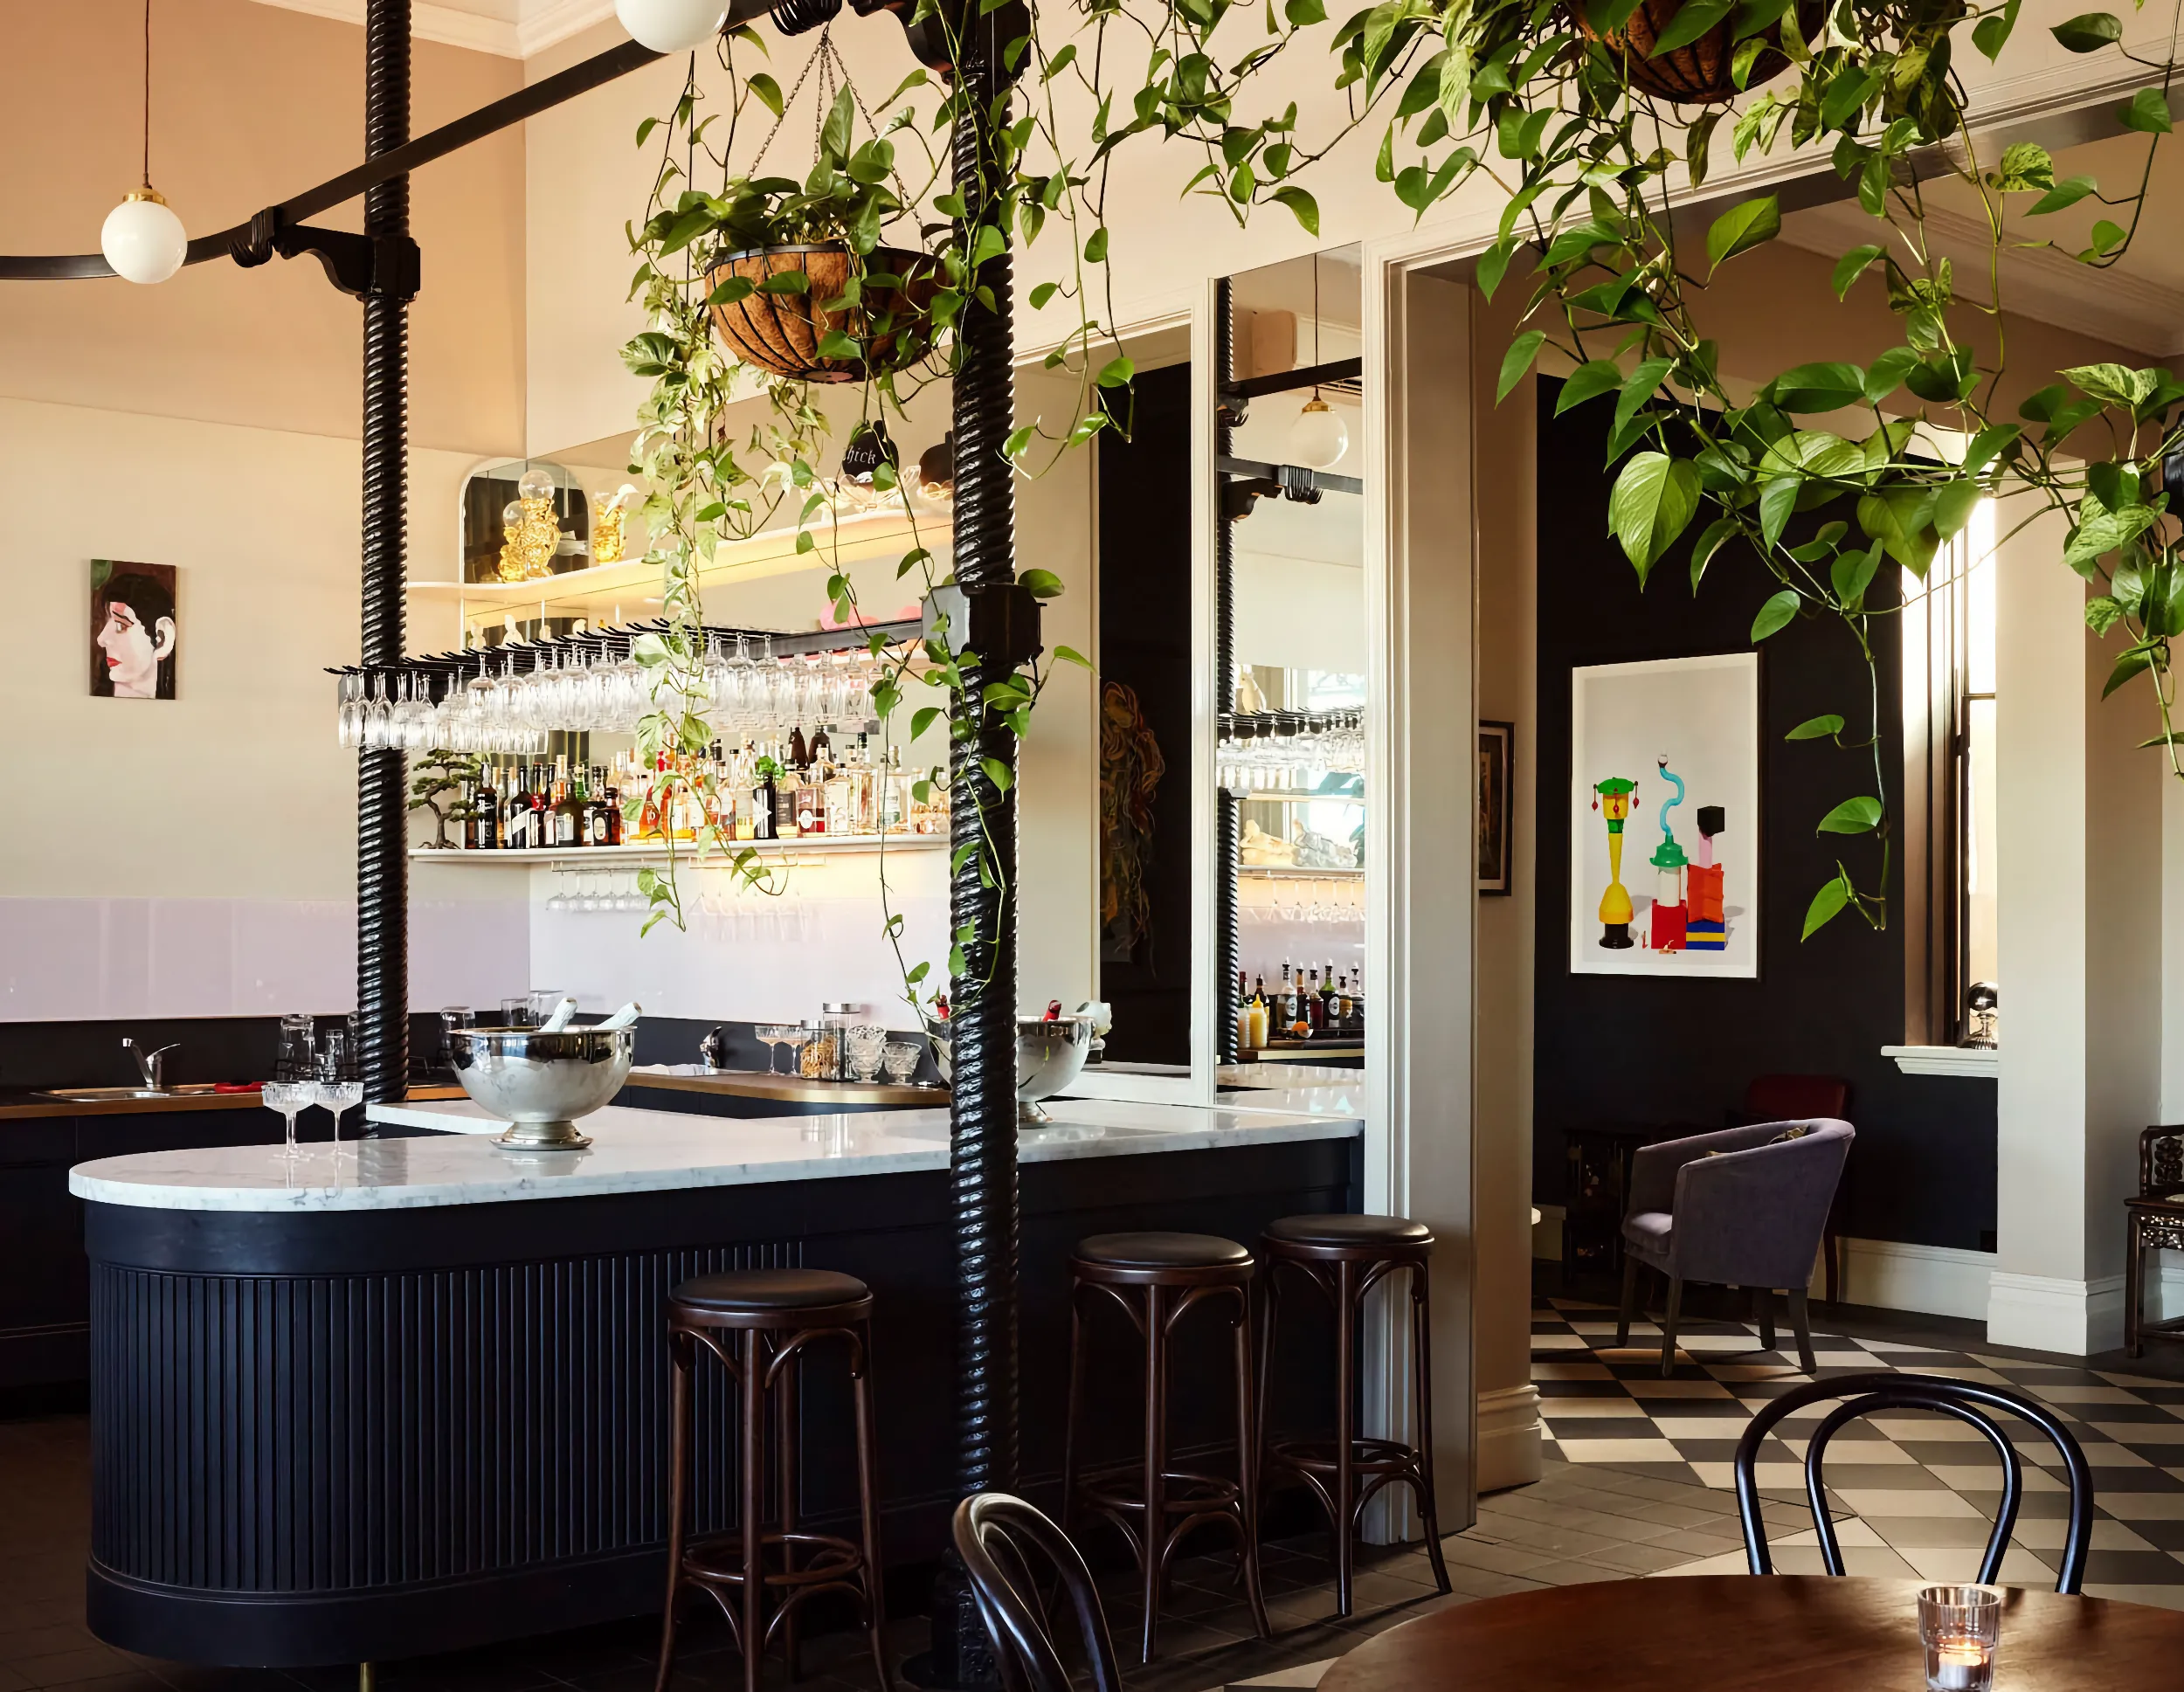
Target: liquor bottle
pixel 1259 1019
pixel 1315 1007
pixel 486 828
pixel 543 808
pixel 894 804
pixel 648 814
pixel 1285 1000
pixel 611 822
pixel 810 804
pixel 763 798
pixel 800 755
pixel 517 832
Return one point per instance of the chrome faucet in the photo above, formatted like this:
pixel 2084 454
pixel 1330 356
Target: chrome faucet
pixel 151 1065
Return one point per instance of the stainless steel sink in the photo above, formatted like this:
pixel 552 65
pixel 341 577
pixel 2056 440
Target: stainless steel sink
pixel 103 1095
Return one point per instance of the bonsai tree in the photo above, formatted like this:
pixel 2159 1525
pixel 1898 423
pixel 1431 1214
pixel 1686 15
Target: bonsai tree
pixel 433 779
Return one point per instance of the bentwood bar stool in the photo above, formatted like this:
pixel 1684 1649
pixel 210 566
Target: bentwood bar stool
pixel 1156 1280
pixel 1345 1257
pixel 758 1324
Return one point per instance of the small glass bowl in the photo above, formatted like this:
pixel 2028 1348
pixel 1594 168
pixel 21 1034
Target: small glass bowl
pixel 902 1059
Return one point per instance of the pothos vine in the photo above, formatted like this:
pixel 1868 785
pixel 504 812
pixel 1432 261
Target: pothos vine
pixel 1545 103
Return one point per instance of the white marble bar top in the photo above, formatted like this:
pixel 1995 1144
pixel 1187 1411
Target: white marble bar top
pixel 635 1150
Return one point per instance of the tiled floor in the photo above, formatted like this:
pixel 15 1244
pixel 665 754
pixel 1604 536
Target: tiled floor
pixel 1919 1491
pixel 1636 1484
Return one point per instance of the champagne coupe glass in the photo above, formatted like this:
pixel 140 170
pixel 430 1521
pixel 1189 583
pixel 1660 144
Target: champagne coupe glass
pixel 341 1086
pixel 771 1034
pixel 900 1059
pixel 292 1090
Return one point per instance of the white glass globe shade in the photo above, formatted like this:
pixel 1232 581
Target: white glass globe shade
pixel 143 239
pixel 1318 438
pixel 671 26
pixel 536 485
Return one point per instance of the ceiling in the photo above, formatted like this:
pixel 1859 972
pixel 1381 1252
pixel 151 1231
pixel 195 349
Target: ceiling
pixel 2138 303
pixel 513 29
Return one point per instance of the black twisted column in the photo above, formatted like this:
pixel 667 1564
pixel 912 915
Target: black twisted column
pixel 1228 944
pixel 982 1021
pixel 382 1019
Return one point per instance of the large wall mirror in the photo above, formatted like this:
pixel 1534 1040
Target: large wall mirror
pixel 1290 979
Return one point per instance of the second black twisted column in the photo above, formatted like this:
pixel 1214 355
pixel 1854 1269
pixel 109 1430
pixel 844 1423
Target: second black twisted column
pixel 382 1017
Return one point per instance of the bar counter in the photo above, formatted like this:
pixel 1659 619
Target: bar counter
pixel 411 1397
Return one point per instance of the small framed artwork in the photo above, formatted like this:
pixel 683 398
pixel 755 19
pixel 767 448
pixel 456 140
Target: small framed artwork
pixel 135 629
pixel 1497 748
pixel 1664 817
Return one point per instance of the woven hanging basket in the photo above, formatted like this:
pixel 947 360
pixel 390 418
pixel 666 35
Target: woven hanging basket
pixel 781 332
pixel 1696 74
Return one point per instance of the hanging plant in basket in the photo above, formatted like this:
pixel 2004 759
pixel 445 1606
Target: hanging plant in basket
pixel 823 311
pixel 798 281
pixel 1687 51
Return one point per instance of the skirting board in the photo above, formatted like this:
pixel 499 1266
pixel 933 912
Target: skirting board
pixel 1887 1274
pixel 2047 1313
pixel 1509 1433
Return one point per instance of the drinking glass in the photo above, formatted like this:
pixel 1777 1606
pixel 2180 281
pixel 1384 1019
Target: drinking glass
pixel 517 1013
pixel 544 1002
pixel 1959 1625
pixel 901 1060
pixel 452 1017
pixel 377 713
pixel 341 1086
pixel 867 1045
pixel 291 1099
pixel 349 727
pixel 773 1034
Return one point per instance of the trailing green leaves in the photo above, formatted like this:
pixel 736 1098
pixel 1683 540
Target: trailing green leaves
pixel 1654 501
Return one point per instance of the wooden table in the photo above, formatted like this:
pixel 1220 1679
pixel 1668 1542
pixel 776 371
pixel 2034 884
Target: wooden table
pixel 1742 1632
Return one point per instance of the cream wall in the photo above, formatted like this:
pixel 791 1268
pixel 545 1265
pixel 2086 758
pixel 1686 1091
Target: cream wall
pixel 250 104
pixel 195 856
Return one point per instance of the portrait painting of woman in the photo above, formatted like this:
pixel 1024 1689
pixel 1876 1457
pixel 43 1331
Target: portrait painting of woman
pixel 135 630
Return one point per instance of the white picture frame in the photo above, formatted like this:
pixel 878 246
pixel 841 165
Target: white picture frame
pixel 1681 736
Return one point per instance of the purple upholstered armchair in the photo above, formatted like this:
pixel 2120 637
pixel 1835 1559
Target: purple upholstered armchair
pixel 1744 1207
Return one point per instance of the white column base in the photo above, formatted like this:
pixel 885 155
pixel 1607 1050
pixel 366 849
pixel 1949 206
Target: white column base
pixel 1509 1436
pixel 2046 1313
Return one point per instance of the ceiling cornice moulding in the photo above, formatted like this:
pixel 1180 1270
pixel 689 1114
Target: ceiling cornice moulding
pixel 538 25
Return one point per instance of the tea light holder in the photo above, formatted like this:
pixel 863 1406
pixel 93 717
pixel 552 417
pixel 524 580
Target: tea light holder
pixel 1960 1625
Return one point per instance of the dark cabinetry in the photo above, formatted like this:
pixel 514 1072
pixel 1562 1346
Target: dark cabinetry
pixel 44 1286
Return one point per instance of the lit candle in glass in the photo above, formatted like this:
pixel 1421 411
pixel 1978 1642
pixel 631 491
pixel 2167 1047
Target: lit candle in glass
pixel 1959 1625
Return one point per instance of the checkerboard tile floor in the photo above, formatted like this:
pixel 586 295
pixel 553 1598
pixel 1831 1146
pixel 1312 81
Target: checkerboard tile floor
pixel 1914 1495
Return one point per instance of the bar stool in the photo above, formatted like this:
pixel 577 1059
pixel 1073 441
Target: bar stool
pixel 1174 1273
pixel 1345 1257
pixel 758 1324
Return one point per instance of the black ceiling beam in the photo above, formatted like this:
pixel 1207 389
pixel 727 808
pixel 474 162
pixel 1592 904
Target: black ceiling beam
pixel 1282 382
pixel 541 96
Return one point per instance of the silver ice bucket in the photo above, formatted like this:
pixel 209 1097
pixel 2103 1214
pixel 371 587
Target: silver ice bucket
pixel 1049 1055
pixel 539 1083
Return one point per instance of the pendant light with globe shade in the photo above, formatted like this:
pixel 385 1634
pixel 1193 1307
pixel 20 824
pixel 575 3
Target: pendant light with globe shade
pixel 1318 438
pixel 141 238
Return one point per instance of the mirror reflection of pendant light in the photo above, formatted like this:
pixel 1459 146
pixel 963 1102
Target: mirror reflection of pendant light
pixel 141 238
pixel 1318 438
pixel 671 26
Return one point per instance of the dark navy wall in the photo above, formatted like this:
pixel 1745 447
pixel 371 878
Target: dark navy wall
pixel 1632 1049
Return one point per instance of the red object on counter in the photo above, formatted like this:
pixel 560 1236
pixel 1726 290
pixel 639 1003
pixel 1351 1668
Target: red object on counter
pixel 237 1087
pixel 1053 1010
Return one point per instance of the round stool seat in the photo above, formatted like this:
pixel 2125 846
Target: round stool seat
pixel 1350 1230
pixel 748 1292
pixel 1163 1251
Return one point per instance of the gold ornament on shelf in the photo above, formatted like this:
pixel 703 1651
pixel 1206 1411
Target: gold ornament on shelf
pixel 541 528
pixel 511 569
pixel 611 513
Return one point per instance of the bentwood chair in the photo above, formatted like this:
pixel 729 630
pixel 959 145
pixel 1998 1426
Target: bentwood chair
pixel 1741 1207
pixel 1007 1547
pixel 2153 1222
pixel 1967 1401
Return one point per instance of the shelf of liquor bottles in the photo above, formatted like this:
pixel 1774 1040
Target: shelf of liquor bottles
pixel 637 857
